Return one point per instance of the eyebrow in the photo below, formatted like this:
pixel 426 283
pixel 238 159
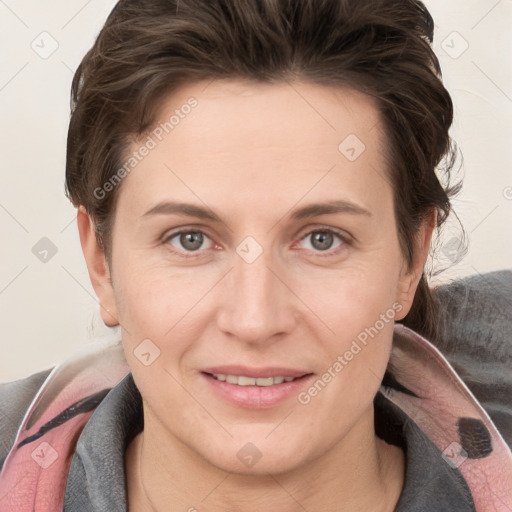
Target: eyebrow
pixel 311 210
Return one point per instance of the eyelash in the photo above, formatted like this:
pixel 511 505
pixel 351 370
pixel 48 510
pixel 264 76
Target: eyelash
pixel 329 253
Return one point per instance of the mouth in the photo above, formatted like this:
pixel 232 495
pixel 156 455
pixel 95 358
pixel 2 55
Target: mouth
pixel 255 389
pixel 244 380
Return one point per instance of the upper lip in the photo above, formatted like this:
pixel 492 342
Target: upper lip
pixel 269 371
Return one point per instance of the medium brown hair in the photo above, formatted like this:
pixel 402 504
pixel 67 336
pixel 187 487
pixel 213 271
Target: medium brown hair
pixel 383 48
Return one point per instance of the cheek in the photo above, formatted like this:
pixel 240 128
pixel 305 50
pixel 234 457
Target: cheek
pixel 150 297
pixel 357 353
pixel 149 312
pixel 160 305
pixel 359 307
pixel 355 297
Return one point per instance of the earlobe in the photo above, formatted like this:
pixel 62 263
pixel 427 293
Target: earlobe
pixel 405 294
pixel 410 278
pixel 97 266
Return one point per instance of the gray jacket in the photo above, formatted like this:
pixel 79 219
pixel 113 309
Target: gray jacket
pixel 477 340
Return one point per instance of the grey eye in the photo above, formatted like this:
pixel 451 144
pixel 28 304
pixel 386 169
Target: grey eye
pixel 321 240
pixel 190 240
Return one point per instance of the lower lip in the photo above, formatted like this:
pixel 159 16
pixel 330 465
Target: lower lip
pixel 257 397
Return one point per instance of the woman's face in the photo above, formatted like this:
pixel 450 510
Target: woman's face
pixel 260 283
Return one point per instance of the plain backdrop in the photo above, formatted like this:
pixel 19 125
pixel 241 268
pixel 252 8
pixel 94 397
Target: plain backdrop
pixel 47 304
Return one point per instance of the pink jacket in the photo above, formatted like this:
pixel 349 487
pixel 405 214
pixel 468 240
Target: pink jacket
pixel 427 389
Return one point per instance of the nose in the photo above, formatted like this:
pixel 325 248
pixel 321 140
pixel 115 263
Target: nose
pixel 256 305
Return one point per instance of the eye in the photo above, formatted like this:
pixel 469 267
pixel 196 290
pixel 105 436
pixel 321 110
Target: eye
pixel 192 241
pixel 323 239
pixel 186 241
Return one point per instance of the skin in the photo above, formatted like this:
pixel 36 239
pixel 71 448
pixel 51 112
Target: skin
pixel 253 153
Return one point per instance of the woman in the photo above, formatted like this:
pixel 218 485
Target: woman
pixel 256 194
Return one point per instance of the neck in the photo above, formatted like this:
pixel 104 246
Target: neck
pixel 355 475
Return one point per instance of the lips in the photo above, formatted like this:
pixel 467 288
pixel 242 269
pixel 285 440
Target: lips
pixel 255 388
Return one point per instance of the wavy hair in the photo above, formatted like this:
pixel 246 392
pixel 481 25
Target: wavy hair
pixel 383 48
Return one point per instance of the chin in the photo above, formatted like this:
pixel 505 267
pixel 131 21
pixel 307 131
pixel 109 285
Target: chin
pixel 258 458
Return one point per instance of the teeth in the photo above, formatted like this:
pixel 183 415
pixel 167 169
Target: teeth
pixel 243 380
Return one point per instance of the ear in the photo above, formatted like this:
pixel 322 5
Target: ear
pixel 97 266
pixel 410 277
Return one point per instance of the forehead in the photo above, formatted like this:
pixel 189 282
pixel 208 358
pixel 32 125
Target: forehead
pixel 263 114
pixel 234 136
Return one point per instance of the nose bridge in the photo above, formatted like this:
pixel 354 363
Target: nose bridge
pixel 255 303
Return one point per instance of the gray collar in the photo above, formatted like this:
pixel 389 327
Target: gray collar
pixel 96 479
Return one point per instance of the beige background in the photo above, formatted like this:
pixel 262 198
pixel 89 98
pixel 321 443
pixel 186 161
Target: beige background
pixel 49 309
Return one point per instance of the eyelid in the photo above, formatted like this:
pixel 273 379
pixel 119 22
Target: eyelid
pixel 344 235
pixel 191 228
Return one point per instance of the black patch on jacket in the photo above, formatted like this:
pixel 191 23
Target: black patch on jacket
pixel 474 438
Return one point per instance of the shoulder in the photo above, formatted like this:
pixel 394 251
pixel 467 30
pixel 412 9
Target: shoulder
pixel 476 317
pixel 476 312
pixel 476 337
pixel 15 398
